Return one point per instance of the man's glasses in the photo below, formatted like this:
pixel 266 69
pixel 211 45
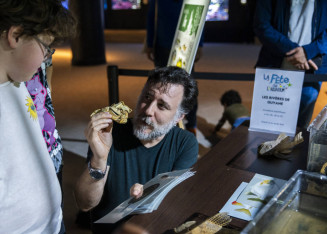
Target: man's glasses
pixel 48 51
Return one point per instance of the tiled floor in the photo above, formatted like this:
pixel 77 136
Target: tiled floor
pixel 77 91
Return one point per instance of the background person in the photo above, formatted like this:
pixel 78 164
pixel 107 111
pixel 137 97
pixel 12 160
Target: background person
pixel 293 34
pixel 234 111
pixel 133 153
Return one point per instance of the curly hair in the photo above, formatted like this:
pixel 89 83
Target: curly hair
pixel 177 76
pixel 230 97
pixel 37 17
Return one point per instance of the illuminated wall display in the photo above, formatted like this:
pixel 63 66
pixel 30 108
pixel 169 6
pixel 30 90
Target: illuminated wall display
pixel 125 4
pixel 218 10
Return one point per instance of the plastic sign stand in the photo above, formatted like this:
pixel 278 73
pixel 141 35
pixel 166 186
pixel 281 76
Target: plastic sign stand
pixel 276 101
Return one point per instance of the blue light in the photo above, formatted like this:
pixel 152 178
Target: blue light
pixel 65 4
pixel 105 5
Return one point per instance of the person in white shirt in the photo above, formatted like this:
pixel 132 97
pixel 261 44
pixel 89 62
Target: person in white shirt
pixel 30 195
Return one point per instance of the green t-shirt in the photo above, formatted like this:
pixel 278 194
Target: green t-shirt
pixel 234 112
pixel 130 162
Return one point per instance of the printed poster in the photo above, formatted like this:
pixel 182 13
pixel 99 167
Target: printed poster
pixel 276 101
pixel 188 33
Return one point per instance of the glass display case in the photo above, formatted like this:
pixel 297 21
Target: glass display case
pixel 299 207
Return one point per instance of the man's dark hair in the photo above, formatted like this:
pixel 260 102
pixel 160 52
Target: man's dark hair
pixel 37 17
pixel 177 76
pixel 230 97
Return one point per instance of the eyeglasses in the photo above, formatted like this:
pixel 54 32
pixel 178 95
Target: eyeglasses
pixel 48 51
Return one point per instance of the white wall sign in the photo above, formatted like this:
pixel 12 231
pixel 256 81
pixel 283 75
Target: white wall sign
pixel 276 100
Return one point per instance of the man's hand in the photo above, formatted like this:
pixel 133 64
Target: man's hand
pixel 298 59
pixel 149 51
pixel 136 190
pixel 313 64
pixel 99 135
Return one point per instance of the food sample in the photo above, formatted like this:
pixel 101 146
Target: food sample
pixel 119 112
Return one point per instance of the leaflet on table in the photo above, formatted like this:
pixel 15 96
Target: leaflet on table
pixel 188 33
pixel 249 198
pixel 154 192
pixel 276 100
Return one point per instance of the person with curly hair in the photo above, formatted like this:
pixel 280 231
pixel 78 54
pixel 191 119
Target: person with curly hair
pixel 122 157
pixel 30 193
pixel 235 112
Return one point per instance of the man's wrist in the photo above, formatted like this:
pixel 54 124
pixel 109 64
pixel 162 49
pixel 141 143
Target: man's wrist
pixel 97 165
pixel 96 173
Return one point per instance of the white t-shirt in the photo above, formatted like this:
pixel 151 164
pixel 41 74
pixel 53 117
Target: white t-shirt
pixel 300 24
pixel 30 195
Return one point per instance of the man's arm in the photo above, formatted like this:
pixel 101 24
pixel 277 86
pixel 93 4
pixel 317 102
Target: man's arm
pixel 88 191
pixel 268 35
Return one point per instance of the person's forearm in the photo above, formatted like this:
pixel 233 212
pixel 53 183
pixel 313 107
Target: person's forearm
pixel 88 191
pixel 218 126
pixel 317 47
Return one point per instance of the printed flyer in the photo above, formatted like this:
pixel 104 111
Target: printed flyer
pixel 188 33
pixel 249 198
pixel 154 192
pixel 276 100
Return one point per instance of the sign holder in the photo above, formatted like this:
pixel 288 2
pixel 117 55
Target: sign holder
pixel 276 101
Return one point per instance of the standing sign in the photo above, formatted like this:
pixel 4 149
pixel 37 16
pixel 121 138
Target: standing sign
pixel 276 100
pixel 188 33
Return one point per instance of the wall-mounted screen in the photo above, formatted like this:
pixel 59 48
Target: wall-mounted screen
pixel 125 4
pixel 218 10
pixel 65 4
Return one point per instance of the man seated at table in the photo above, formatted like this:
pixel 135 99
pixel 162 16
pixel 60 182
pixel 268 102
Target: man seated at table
pixel 128 155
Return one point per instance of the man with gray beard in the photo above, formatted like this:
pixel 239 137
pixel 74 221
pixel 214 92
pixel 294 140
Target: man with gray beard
pixel 125 156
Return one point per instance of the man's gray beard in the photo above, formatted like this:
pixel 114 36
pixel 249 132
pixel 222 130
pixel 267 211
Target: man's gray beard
pixel 157 131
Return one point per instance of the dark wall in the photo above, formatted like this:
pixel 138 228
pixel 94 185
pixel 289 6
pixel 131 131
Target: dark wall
pixel 126 19
pixel 237 29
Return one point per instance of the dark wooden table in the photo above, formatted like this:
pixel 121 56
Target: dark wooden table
pixel 218 174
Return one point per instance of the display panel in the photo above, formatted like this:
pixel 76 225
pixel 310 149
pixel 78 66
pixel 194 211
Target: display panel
pixel 218 10
pixel 125 4
pixel 65 4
